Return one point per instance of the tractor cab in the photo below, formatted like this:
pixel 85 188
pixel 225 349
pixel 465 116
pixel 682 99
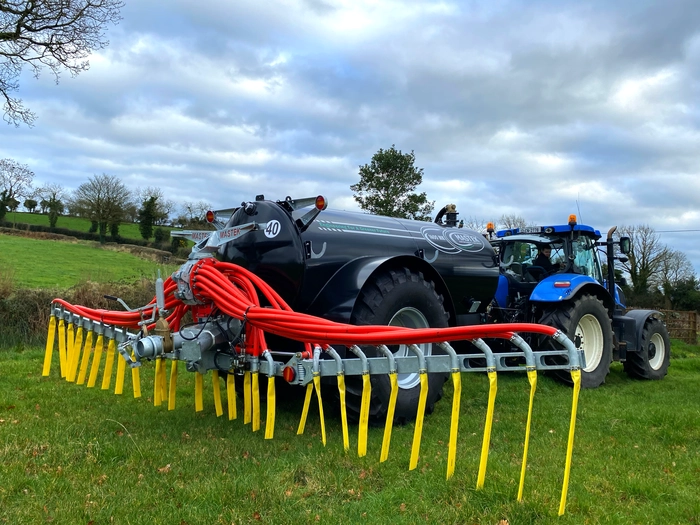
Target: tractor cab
pixel 543 261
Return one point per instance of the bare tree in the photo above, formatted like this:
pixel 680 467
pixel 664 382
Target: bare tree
pixel 475 224
pixel 54 34
pixel 195 211
pixel 15 179
pixel 102 200
pixel 164 207
pixel 646 258
pixel 676 269
pixel 509 221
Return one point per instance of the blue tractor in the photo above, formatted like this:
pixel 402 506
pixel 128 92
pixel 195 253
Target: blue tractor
pixel 566 289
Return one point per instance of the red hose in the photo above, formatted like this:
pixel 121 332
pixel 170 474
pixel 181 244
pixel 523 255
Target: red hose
pixel 234 291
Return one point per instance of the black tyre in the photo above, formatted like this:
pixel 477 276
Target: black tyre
pixel 652 360
pixel 585 321
pixel 398 297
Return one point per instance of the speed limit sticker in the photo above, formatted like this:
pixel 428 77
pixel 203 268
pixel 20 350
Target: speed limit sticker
pixel 272 229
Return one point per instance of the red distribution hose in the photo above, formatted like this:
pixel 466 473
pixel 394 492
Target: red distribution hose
pixel 233 290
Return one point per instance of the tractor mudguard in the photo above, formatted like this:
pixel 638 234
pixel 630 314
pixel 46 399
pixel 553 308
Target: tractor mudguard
pixel 640 317
pixel 547 292
pixel 337 298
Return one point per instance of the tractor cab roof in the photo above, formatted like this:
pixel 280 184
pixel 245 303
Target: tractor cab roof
pixel 543 234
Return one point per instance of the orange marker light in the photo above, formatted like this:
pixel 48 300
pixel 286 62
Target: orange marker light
pixel 210 216
pixel 321 203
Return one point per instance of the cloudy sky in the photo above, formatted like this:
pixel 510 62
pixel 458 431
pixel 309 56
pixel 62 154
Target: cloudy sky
pixel 533 108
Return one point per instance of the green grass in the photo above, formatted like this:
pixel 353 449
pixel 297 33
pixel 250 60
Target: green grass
pixel 128 230
pixel 75 455
pixel 36 263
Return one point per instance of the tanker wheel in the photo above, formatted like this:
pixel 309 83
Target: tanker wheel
pixel 652 360
pixel 398 297
pixel 585 321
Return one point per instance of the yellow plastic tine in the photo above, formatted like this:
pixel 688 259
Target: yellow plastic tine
pixel 135 379
pixel 231 396
pixel 85 360
pixel 70 343
pixel 95 367
pixel 217 393
pixel 164 381
pixel 157 401
pixel 343 412
pixel 109 364
pixel 305 410
pixel 393 379
pixel 62 351
pixel 532 378
pixel 317 387
pixel 198 392
pixel 454 423
pixel 246 398
pixel 121 369
pixel 75 341
pixel 420 415
pixel 49 346
pixel 576 377
pixel 271 400
pixel 364 416
pixel 493 389
pixel 173 385
pixel 255 397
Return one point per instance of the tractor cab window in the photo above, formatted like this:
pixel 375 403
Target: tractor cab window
pixel 585 261
pixel 518 257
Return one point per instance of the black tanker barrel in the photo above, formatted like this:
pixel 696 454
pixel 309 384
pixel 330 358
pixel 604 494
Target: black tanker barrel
pixel 299 264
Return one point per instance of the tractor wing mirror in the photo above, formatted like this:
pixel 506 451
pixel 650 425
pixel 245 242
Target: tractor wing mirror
pixel 625 245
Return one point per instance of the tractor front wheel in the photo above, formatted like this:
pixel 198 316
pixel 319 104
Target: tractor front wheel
pixel 652 360
pixel 585 321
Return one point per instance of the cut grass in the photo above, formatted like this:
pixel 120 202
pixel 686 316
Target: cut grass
pixel 36 263
pixel 77 455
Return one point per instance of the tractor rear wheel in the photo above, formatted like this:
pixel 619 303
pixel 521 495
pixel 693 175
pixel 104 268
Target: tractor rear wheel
pixel 399 297
pixel 585 321
pixel 652 360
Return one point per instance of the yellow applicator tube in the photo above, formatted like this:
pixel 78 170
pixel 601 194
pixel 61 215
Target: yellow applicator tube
pixel 216 385
pixel 363 425
pixel 576 377
pixel 454 420
pixel 231 396
pixel 85 360
pixel 246 398
pixel 532 378
pixel 493 389
pixel 393 381
pixel 198 392
pixel 271 397
pixel 420 414
pixel 97 358
pixel 62 351
pixel 173 385
pixel 49 346
pixel 109 364
pixel 340 374
pixel 74 351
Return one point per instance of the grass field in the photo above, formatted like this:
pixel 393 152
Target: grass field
pixel 128 230
pixel 36 263
pixel 70 454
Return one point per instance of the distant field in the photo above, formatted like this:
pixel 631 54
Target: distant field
pixel 35 263
pixel 128 230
